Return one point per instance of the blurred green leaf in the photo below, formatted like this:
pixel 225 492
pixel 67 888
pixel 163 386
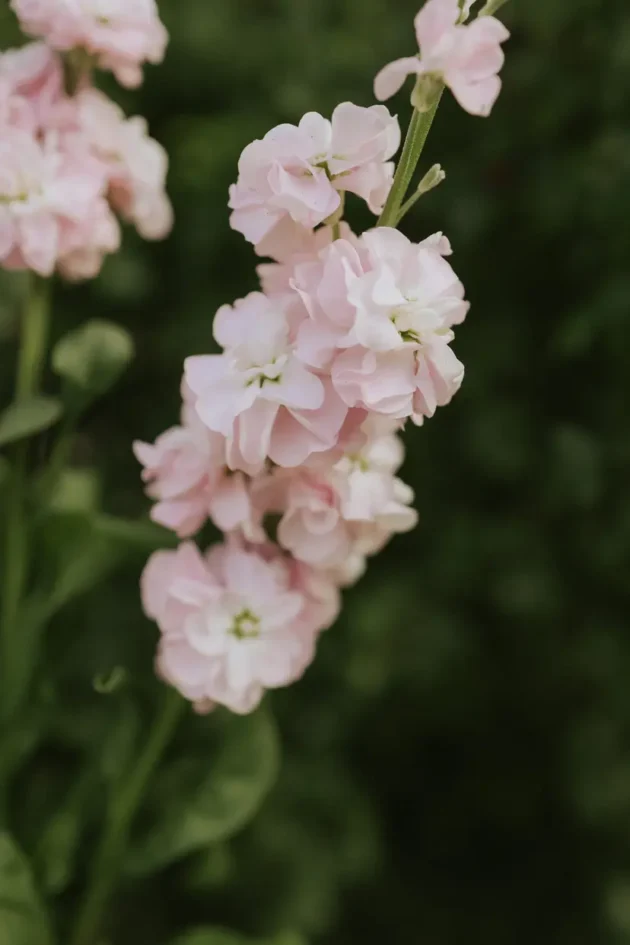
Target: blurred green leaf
pixel 93 357
pixel 76 490
pixel 122 740
pixel 140 534
pixel 28 417
pixel 213 936
pixel 22 917
pixel 204 800
pixel 5 471
pixel 210 935
pixel 56 853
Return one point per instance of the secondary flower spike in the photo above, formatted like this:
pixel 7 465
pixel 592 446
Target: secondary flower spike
pixel 121 34
pixel 467 57
pixel 68 165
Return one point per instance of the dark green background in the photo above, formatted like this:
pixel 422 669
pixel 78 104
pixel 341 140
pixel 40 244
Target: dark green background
pixel 456 765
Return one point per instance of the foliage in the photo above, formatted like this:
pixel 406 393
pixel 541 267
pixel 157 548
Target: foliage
pixel 455 766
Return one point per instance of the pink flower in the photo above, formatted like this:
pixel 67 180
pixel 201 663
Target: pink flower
pixel 186 473
pixel 466 57
pixel 31 79
pixel 383 382
pixel 135 163
pixel 340 514
pixel 45 195
pixel 85 245
pixel 257 393
pixel 378 314
pixel 233 624
pixel 323 283
pixel 299 171
pixel 120 34
pixel 409 293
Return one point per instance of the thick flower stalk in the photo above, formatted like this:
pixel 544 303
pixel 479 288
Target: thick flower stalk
pixel 290 439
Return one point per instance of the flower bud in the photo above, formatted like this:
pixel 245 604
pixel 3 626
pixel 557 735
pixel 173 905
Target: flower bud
pixel 491 7
pixel 433 178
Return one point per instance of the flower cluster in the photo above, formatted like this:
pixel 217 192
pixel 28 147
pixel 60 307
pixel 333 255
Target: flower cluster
pixel 290 435
pixel 71 163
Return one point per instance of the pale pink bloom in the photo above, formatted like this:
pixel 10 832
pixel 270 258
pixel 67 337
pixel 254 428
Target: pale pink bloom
pixel 45 193
pixel 185 471
pixel 298 171
pixel 15 111
pixel 290 246
pixel 395 303
pixel 323 283
pixel 467 57
pixel 408 294
pixel 136 165
pixel 341 514
pixel 257 393
pixel 359 143
pixel 85 245
pixel 288 239
pixel 121 34
pixel 31 78
pixel 321 596
pixel 383 382
pixel 439 375
pixel 379 292
pixel 233 625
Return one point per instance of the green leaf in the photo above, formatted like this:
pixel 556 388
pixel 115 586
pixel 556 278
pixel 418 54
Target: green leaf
pixel 93 357
pixel 56 854
pixel 207 799
pixel 76 490
pixel 27 417
pixel 141 535
pixel 22 918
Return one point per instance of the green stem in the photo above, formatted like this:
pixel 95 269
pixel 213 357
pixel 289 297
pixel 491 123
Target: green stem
pixel 34 333
pixel 123 808
pixel 417 134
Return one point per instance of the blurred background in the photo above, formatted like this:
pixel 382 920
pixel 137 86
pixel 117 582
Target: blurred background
pixel 456 765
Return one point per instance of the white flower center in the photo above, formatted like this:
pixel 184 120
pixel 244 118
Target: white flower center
pixel 415 320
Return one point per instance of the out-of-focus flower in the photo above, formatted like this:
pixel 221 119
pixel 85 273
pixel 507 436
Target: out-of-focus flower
pixel 47 198
pixel 31 86
pixel 121 34
pixel 466 57
pixel 298 171
pixel 136 164
pixel 65 164
pixel 233 624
